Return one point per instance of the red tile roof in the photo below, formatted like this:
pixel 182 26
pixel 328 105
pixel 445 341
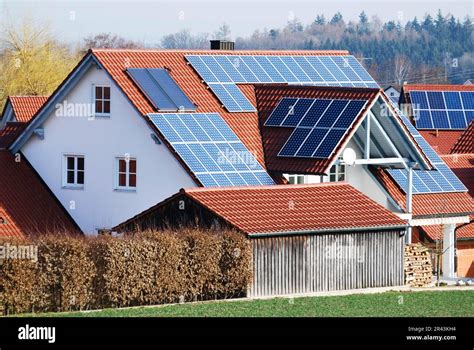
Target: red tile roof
pixel 441 140
pixel 26 205
pixel 465 142
pixel 10 133
pixel 463 166
pixel 25 107
pixel 274 138
pixel 245 125
pixel 432 204
pixel 290 208
pixel 437 87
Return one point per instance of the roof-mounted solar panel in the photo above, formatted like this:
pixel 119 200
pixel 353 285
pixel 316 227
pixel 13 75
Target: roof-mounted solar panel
pixel 222 72
pixel 160 89
pixel 210 149
pixel 319 124
pixel 445 110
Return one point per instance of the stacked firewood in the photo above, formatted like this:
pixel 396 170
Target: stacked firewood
pixel 418 271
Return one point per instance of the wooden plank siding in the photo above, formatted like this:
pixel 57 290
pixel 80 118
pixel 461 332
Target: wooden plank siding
pixel 324 262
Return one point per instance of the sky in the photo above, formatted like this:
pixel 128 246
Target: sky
pixel 148 21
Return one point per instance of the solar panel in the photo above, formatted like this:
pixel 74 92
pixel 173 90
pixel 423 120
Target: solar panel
pixel 161 90
pixel 171 89
pixel 319 124
pixel 440 180
pixel 442 109
pixel 210 149
pixel 232 97
pixel 221 72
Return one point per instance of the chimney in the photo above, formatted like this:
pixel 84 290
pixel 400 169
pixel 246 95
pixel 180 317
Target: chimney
pixel 222 45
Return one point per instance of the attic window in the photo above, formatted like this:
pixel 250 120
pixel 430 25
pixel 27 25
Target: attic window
pixel 102 100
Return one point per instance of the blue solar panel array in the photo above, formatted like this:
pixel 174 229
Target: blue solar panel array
pixel 160 89
pixel 319 124
pixel 440 180
pixel 442 109
pixel 210 149
pixel 222 72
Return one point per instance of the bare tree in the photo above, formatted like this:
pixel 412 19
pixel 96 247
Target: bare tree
pixel 185 40
pixel 223 33
pixel 110 41
pixel 401 69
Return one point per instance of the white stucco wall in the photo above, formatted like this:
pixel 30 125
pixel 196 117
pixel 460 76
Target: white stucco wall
pixel 101 141
pixel 360 178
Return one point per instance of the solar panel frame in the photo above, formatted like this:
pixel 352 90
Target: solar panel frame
pixel 216 156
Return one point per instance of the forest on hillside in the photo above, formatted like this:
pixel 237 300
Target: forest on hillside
pixel 433 49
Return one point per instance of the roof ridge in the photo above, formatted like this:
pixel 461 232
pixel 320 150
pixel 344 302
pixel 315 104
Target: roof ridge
pixel 264 187
pixel 215 51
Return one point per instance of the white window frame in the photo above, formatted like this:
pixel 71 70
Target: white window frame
pixel 127 173
pixel 94 86
pixel 75 184
pixel 295 177
pixel 336 171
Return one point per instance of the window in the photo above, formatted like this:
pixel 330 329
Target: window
pixel 337 173
pixel 127 173
pixel 74 171
pixel 296 179
pixel 102 100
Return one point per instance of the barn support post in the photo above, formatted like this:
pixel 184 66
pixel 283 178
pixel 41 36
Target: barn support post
pixel 449 250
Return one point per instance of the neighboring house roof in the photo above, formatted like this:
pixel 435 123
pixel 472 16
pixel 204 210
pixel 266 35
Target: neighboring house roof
pixel 465 142
pixel 25 107
pixel 27 206
pixel 442 141
pixel 9 133
pixel 463 166
pixel 274 138
pixel 427 205
pixel 290 208
pixel 268 97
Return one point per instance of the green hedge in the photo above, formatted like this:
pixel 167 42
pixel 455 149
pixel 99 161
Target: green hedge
pixel 77 273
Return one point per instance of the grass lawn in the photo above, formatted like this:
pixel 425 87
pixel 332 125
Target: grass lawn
pixel 402 304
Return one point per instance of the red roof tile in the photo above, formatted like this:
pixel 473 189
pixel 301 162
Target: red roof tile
pixel 26 205
pixel 432 204
pixel 437 87
pixel 10 133
pixel 25 107
pixel 465 142
pixel 463 166
pixel 441 140
pixel 274 138
pixel 289 208
pixel 245 125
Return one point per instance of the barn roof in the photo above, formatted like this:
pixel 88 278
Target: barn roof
pixel 289 209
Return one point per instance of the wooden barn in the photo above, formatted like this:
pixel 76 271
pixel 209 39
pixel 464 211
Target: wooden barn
pixel 305 238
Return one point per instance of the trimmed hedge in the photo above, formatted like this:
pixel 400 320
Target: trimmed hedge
pixel 77 273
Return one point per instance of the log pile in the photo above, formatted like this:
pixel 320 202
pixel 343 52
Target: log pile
pixel 417 264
